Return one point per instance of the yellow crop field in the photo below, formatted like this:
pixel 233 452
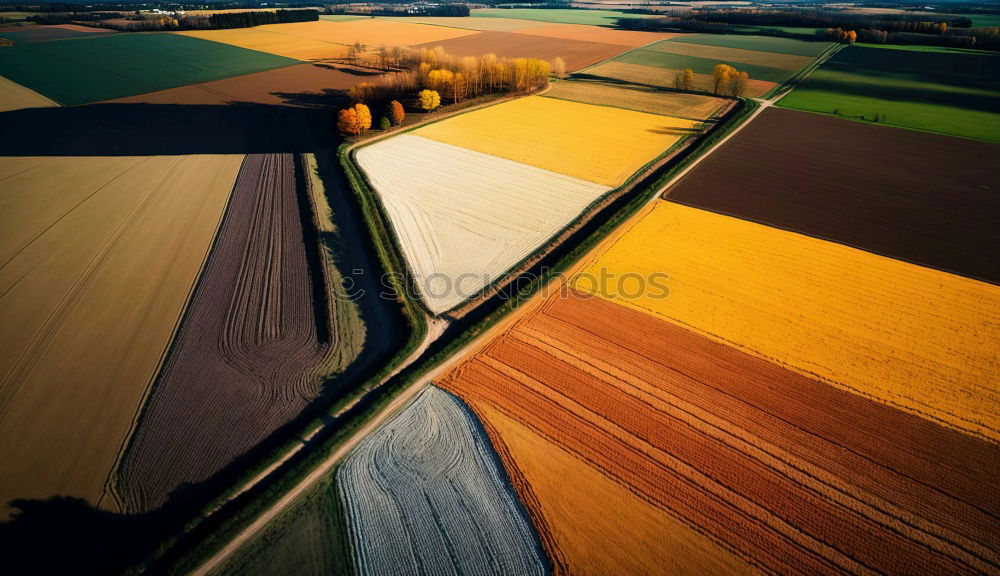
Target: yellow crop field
pixel 98 257
pixel 597 143
pixel 592 524
pixel 913 337
pixel 13 96
pixel 327 39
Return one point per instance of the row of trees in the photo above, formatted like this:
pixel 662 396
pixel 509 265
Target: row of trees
pixel 454 79
pixel 726 80
pixel 356 119
pixel 843 36
pixel 259 18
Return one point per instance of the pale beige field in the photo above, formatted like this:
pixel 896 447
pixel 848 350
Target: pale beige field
pixel 97 260
pixel 13 96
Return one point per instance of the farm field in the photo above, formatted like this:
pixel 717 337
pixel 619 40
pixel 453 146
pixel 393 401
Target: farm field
pixel 470 23
pixel 854 319
pixel 922 198
pixel 13 96
pixel 948 91
pixel 626 38
pixel 651 76
pixel 31 34
pixel 464 218
pixel 758 43
pixel 616 532
pixel 108 66
pixel 668 63
pixel 252 350
pixel 597 143
pixel 652 101
pixel 79 233
pixel 426 490
pixel 307 85
pixel 560 16
pixel 325 39
pixel 779 470
pixel 741 58
pixel 575 53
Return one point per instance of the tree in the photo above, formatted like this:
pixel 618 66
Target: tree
pixel 364 117
pixel 396 113
pixel 738 84
pixel 558 67
pixel 428 100
pixel 684 79
pixel 384 123
pixel 362 93
pixel 347 122
pixel 721 76
pixel 440 80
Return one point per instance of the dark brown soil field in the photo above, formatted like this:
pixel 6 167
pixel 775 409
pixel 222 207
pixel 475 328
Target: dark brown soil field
pixel 308 85
pixel 923 198
pixel 790 474
pixel 248 354
pixel 575 53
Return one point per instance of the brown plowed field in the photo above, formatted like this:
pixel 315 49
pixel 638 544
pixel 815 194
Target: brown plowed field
pixel 575 53
pixel 246 358
pixel 790 474
pixel 307 85
pixel 919 197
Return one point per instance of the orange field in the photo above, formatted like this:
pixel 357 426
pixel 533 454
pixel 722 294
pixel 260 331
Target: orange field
pixel 777 471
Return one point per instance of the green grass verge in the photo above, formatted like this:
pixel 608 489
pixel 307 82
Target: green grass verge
pixel 341 17
pixel 84 70
pixel 556 15
pixel 758 43
pixel 942 90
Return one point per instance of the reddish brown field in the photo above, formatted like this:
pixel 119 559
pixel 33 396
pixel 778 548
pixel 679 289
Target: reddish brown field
pixel 32 34
pixel 246 357
pixel 792 475
pixel 919 197
pixel 305 85
pixel 576 53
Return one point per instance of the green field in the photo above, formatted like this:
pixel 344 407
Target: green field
pixel 669 61
pixel 559 16
pixel 84 70
pixel 943 90
pixel 983 20
pixel 759 43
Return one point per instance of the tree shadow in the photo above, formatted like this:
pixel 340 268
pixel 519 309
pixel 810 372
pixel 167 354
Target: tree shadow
pixel 164 129
pixel 65 535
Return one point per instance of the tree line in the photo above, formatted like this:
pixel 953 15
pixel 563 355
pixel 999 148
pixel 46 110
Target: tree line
pixel 259 18
pixel 426 78
pixel 387 9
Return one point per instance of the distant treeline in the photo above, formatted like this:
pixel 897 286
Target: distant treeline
pixel 829 19
pixel 248 19
pixel 389 9
pixel 880 29
pixel 70 17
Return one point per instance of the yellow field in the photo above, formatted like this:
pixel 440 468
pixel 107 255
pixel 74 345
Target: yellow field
pixel 97 259
pixel 914 337
pixel 594 525
pixel 596 143
pixel 327 39
pixel 13 96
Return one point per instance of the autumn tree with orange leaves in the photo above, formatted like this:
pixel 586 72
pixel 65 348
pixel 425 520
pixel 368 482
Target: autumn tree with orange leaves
pixel 396 113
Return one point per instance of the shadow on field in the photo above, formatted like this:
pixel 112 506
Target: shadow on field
pixel 153 129
pixel 68 536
